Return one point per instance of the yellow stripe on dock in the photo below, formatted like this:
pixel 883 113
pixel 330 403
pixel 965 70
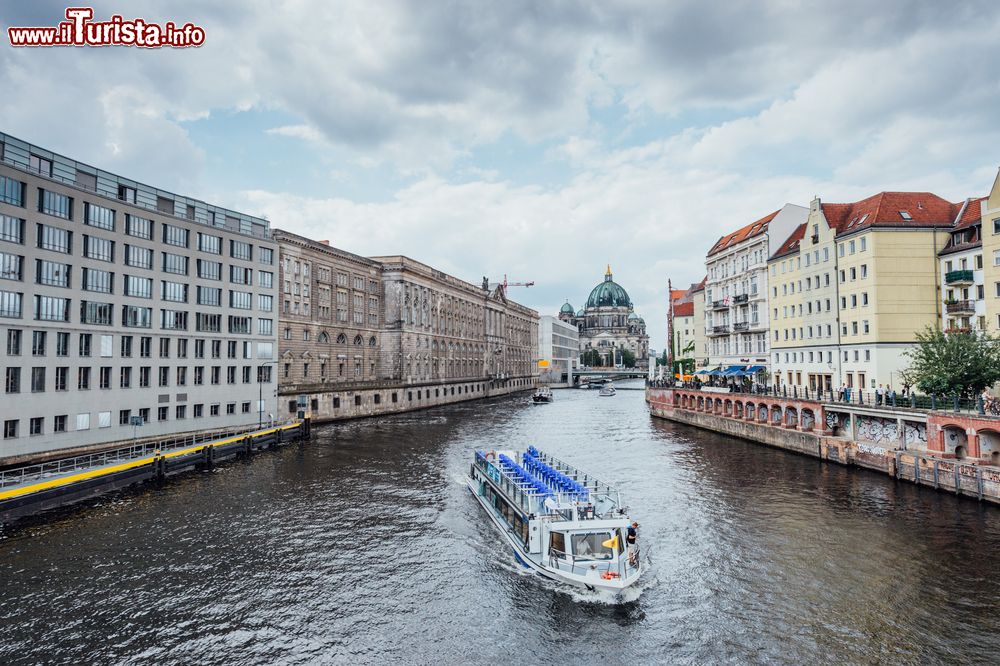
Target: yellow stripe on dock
pixel 132 464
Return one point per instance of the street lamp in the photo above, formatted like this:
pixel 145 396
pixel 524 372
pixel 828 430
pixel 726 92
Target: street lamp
pixel 260 393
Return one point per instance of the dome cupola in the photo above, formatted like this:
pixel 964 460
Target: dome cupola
pixel 608 294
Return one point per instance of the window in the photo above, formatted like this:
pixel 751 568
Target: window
pixel 62 344
pixel 11 191
pixel 104 377
pixel 864 298
pixel 850 247
pixel 59 423
pixel 864 327
pixel 11 266
pixel 209 296
pixel 10 429
pixel 161 413
pixel 209 270
pixel 13 342
pixel 138 287
pixel 11 229
pixel 49 308
pixel 864 244
pixel 175 235
pixel 240 250
pixel 12 380
pixel 265 303
pixel 209 323
pixel 240 300
pixel 83 378
pixel 55 204
pixel 164 347
pixel 240 275
pixel 180 411
pixel 134 316
pixel 265 279
pixel 175 263
pixel 126 347
pixel 85 343
pixel 163 376
pixel 36 425
pixel 210 244
pixel 98 248
pixel 176 292
pixel 173 320
pixel 266 255
pixel 40 165
pixel 99 216
pixel 52 273
pixel 38 340
pixel 854 274
pixel 265 326
pixel 239 325
pixel 864 271
pixel 97 280
pixel 55 239
pixel 139 227
pixel 138 257
pixel 95 313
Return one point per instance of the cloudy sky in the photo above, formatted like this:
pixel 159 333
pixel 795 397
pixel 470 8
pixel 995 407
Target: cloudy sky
pixel 541 140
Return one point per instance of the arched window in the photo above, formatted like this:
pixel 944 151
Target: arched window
pixel 372 341
pixel 341 339
pixel 358 340
pixel 324 339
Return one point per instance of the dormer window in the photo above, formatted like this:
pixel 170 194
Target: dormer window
pixel 905 215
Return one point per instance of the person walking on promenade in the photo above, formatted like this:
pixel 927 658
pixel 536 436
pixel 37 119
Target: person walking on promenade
pixel 879 395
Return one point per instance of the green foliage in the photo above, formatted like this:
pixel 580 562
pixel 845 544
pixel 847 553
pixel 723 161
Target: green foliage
pixel 626 358
pixel 959 362
pixel 591 358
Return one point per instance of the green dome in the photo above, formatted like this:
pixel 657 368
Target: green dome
pixel 566 309
pixel 632 316
pixel 580 312
pixel 608 294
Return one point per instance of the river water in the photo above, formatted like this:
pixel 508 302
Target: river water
pixel 364 546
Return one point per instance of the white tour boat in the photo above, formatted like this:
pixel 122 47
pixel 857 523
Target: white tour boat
pixel 607 389
pixel 560 522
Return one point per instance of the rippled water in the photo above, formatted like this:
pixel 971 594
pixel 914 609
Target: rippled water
pixel 364 546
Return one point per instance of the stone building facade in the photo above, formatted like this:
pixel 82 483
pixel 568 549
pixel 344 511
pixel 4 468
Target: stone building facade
pixel 609 323
pixel 364 336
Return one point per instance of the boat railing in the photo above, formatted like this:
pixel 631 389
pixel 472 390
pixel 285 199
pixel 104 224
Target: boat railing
pixel 591 483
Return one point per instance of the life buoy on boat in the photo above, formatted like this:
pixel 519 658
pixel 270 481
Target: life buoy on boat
pixel 609 575
pixel 490 455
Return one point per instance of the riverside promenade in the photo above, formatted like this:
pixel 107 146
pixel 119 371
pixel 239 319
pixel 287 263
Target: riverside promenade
pixel 950 451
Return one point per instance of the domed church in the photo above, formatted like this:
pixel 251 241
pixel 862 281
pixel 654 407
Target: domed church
pixel 608 322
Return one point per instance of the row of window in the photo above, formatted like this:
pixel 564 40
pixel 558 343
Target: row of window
pixel 142 377
pixel 61 206
pixel 36 425
pixel 105 346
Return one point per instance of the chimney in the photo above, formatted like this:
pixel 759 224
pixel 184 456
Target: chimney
pixel 324 242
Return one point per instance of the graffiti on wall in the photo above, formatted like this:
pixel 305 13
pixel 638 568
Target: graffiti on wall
pixel 839 423
pixel 876 430
pixel 915 434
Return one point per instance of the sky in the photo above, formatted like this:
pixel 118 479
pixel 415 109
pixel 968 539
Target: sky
pixel 537 140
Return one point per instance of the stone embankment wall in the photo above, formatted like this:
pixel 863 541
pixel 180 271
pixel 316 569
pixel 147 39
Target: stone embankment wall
pixel 952 452
pixel 337 403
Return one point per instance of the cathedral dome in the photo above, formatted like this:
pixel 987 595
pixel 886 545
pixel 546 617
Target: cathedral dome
pixel 566 309
pixel 608 294
pixel 580 312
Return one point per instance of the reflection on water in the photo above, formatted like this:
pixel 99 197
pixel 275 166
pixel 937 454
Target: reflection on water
pixel 364 546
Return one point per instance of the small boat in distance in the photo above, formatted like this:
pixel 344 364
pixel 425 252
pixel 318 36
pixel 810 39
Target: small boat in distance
pixel 560 522
pixel 543 394
pixel 608 390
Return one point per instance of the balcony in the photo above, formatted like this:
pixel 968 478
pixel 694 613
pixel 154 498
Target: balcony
pixel 719 330
pixel 741 326
pixel 815 239
pixel 960 307
pixel 741 298
pixel 958 277
pixel 720 305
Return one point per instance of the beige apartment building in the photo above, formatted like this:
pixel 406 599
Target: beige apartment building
pixel 852 287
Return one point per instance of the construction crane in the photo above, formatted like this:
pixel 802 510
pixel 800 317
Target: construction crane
pixel 515 284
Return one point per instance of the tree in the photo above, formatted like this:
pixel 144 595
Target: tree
pixel 626 357
pixel 959 362
pixel 591 358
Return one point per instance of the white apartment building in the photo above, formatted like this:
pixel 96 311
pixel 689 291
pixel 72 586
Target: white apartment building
pixel 962 272
pixel 736 310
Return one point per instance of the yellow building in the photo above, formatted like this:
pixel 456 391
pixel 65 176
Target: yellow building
pixel 991 256
pixel 850 293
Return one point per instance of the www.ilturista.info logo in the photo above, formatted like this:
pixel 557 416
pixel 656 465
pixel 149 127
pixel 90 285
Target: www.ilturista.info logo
pixel 80 30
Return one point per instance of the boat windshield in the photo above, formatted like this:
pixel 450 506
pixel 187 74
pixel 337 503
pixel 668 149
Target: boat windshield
pixel 591 546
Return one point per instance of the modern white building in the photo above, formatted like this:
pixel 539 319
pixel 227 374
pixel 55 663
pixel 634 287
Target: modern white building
pixel 559 344
pixel 736 310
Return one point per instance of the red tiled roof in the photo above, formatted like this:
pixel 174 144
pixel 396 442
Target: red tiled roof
pixel 676 294
pixel 791 243
pixel 700 286
pixel 972 214
pixel 684 309
pixel 891 209
pixel 749 231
